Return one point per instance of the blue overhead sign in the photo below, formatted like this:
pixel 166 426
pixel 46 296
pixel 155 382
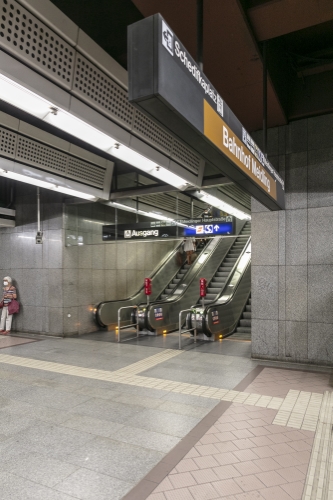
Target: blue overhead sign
pixel 212 229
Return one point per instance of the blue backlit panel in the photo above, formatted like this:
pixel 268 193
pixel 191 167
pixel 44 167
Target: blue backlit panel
pixel 204 230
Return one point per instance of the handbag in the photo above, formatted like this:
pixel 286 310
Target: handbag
pixel 1 304
pixel 13 307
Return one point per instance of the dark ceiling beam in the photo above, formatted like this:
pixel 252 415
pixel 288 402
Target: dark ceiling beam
pixel 277 18
pixel 141 191
pixel 311 96
pixel 215 180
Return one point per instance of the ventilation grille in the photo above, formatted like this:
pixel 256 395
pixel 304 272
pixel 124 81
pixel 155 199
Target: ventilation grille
pixel 30 40
pixel 148 129
pixel 79 169
pixel 168 202
pixel 93 85
pixel 34 153
pixel 237 194
pixel 7 143
pixel 27 37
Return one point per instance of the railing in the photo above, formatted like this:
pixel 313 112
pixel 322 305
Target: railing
pixel 127 326
pixel 194 329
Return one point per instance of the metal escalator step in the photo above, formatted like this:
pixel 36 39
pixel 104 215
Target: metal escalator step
pixel 213 291
pixel 246 315
pixel 221 274
pixel 215 284
pixel 250 301
pixel 186 266
pixel 168 291
pixel 183 271
pixel 210 296
pixel 230 260
pixel 164 296
pixel 176 280
pixel 245 322
pixel 172 285
pixel 248 308
pixel 217 279
pixel 243 329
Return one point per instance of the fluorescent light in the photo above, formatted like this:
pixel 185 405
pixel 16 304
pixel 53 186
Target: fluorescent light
pixel 222 205
pixel 125 207
pixel 26 179
pixel 72 192
pixel 22 98
pixel 74 126
pixel 32 103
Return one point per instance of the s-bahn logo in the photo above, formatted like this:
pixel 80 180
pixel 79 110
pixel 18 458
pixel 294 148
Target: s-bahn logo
pixel 167 38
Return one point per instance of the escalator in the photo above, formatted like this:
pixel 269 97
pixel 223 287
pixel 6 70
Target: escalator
pixel 230 312
pixel 168 271
pixel 163 316
pixel 217 283
pixel 180 275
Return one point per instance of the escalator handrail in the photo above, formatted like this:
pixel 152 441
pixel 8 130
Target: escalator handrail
pixel 180 295
pixel 153 273
pixel 233 270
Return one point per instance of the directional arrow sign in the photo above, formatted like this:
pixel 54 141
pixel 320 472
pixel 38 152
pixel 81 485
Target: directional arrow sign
pixel 216 227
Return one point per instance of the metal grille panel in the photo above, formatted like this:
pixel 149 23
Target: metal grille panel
pixel 182 154
pixel 94 85
pixel 8 142
pixel 79 169
pixel 34 153
pixel 32 41
pixel 31 152
pixel 237 194
pixel 27 37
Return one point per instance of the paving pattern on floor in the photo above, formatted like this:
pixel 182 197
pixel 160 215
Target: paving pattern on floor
pixel 83 419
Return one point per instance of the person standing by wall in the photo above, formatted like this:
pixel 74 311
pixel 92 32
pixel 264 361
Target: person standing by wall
pixel 9 293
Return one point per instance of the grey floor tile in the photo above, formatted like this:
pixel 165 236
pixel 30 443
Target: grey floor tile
pixel 107 410
pixel 13 487
pixel 98 392
pixel 184 409
pixel 187 399
pixel 40 469
pixel 89 485
pixel 93 425
pixel 50 398
pixel 138 400
pixel 36 412
pixel 124 461
pixel 53 441
pixel 170 423
pixel 11 423
pixel 147 439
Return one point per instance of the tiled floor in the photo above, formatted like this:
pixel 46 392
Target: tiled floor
pixel 91 420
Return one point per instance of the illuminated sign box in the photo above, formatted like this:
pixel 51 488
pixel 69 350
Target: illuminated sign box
pixel 166 83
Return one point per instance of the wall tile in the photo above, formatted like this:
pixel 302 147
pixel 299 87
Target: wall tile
pixel 296 180
pixel 296 237
pixel 273 141
pixel 264 285
pixel 320 343
pixel 296 293
pixel 86 321
pixel 55 320
pixel 297 340
pixel 85 287
pixel 71 257
pixel 98 286
pixel 320 239
pixel 85 257
pixel 121 283
pixel 282 293
pixel 320 132
pixel 29 318
pixel 71 324
pixel 320 294
pixel 16 256
pixel 122 249
pixel 265 338
pixel 110 284
pixel 41 321
pixel 265 238
pixel 55 288
pixel 111 256
pixel 282 237
pixel 282 339
pixel 256 206
pixel 70 287
pixel 282 139
pixel 55 241
pixel 297 136
pixel 98 256
pixel 6 250
pixel 320 185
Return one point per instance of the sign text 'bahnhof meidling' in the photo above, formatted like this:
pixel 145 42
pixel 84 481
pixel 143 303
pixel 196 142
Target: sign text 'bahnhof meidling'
pixel 166 83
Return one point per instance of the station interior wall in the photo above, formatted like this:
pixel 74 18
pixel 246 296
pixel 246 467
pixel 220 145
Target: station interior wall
pixel 292 250
pixel 54 280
